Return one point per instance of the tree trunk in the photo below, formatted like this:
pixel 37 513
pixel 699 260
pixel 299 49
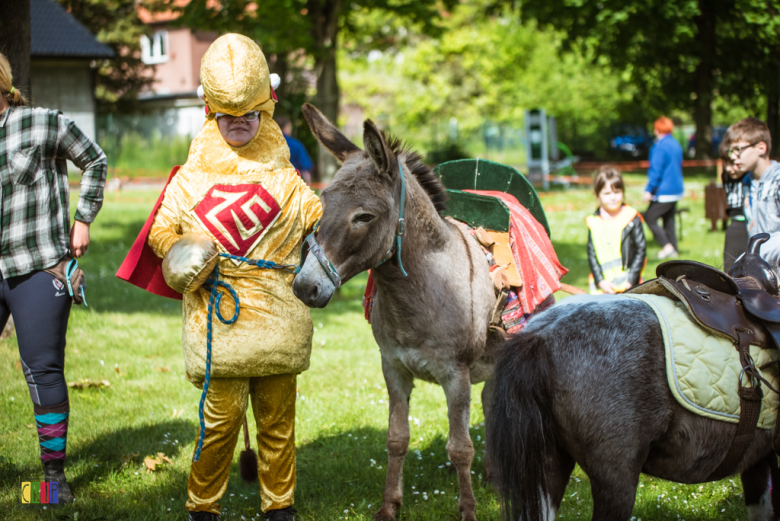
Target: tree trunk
pixel 15 41
pixel 327 100
pixel 773 118
pixel 773 105
pixel 705 23
pixel 280 66
pixel 325 27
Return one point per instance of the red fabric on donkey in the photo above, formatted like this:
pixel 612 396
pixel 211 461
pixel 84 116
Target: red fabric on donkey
pixel 534 257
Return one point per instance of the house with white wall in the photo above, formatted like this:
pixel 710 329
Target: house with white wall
pixel 62 63
pixel 175 53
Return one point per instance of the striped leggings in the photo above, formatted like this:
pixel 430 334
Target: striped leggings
pixel 40 306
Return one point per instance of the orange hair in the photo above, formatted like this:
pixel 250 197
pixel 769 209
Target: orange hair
pixel 663 125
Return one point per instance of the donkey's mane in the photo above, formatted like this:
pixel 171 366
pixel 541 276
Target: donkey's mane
pixel 423 173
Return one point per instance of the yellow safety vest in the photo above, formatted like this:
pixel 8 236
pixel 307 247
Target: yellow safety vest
pixel 607 236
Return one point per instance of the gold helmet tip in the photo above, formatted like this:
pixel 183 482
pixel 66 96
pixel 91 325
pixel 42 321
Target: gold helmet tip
pixel 235 76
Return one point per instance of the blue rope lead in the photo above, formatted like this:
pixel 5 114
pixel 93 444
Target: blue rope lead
pixel 215 297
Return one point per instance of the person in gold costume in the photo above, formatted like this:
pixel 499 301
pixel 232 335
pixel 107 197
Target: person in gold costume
pixel 238 199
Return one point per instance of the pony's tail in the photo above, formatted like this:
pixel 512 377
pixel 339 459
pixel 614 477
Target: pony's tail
pixel 247 461
pixel 520 431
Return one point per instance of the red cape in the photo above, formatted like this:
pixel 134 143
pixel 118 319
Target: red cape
pixel 142 267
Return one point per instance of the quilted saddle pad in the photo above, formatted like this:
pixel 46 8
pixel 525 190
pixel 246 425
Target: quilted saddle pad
pixel 702 369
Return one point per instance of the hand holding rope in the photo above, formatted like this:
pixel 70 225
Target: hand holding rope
pixel 213 283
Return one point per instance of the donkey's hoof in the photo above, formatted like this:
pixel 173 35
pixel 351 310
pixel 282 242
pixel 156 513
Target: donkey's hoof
pixel 384 514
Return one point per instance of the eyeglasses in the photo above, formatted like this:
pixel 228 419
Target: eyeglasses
pixel 249 116
pixel 739 150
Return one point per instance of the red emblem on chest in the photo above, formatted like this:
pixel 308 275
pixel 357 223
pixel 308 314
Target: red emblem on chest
pixel 237 215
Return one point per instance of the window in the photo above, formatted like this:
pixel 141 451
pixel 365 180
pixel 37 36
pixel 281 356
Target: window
pixel 155 49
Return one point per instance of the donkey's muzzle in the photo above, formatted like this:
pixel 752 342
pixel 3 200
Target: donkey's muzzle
pixel 312 285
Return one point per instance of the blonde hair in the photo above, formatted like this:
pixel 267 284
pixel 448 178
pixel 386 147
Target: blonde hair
pixel 7 90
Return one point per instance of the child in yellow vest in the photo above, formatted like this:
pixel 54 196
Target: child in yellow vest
pixel 616 240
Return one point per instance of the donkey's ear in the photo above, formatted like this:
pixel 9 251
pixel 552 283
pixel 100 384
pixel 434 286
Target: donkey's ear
pixel 377 148
pixel 327 134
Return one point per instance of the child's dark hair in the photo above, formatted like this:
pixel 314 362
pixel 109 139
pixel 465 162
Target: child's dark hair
pixel 608 175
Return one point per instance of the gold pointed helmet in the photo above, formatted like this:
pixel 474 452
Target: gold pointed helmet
pixel 235 77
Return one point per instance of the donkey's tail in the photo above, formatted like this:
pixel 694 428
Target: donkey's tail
pixel 520 430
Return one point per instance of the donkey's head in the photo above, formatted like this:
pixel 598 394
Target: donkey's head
pixel 361 207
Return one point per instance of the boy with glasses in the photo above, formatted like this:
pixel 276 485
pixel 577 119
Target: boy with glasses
pixel 750 144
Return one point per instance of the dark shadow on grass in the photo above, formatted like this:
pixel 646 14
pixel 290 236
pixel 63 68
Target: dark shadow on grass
pixel 336 472
pixel 90 464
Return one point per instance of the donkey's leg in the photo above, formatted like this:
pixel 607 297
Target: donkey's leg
pixel 399 388
pixel 457 388
pixel 755 486
pixel 559 468
pixel 614 492
pixel 487 404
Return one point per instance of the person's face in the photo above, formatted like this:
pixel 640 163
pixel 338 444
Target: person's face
pixel 237 131
pixel 745 155
pixel 610 198
pixel 731 170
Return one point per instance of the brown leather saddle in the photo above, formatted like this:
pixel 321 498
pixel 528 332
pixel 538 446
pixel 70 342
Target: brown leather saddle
pixel 743 305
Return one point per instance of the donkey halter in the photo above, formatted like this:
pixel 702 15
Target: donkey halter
pixel 333 274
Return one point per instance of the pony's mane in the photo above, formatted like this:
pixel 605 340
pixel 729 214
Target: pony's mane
pixel 423 173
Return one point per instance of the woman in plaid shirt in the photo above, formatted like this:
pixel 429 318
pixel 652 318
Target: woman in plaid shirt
pixel 35 235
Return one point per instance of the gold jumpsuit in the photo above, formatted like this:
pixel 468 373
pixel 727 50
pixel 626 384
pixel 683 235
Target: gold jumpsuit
pixel 252 203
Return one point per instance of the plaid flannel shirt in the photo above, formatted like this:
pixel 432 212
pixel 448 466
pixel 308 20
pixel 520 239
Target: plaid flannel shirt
pixel 34 202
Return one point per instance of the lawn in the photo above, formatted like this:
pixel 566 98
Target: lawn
pixel 132 340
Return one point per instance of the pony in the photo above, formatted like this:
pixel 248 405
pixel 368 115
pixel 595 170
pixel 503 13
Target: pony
pixel 585 382
pixel 431 316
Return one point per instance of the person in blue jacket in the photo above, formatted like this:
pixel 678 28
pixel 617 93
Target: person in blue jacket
pixel 664 186
pixel 298 156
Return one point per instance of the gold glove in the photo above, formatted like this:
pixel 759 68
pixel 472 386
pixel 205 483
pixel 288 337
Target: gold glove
pixel 189 262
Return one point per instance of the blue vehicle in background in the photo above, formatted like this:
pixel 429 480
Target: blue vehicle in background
pixel 631 141
pixel 717 137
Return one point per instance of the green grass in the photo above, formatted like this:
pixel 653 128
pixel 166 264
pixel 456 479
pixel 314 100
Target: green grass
pixel 132 339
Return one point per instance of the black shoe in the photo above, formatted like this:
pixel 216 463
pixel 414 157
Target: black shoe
pixel 203 516
pixel 54 470
pixel 283 514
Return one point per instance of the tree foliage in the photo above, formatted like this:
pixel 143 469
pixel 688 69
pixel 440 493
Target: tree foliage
pixel 680 54
pixel 485 69
pixel 116 24
pixel 294 30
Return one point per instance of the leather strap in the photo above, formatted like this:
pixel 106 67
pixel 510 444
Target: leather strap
pixel 750 408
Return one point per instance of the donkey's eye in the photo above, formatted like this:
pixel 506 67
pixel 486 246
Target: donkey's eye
pixel 363 218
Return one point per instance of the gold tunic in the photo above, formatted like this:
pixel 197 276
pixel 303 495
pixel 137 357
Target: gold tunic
pixel 252 203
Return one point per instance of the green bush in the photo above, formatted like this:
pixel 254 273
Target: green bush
pixel 133 151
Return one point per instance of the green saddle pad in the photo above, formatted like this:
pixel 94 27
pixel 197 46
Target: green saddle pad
pixel 483 211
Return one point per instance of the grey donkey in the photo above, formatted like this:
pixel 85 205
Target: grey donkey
pixel 432 324
pixel 585 382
